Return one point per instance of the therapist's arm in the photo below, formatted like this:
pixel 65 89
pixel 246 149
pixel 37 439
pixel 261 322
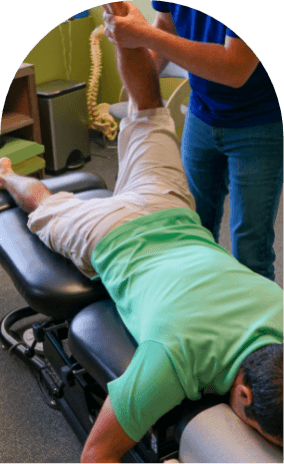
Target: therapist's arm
pixel 107 441
pixel 230 64
pixel 164 22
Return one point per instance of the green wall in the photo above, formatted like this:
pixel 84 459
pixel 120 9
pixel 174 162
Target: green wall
pixel 51 56
pixel 50 60
pixel 48 55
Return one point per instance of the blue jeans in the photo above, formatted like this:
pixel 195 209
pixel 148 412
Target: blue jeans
pixel 250 161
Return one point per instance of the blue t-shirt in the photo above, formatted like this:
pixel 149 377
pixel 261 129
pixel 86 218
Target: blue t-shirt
pixel 216 104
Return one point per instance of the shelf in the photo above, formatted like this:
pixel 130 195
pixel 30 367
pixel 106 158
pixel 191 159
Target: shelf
pixel 24 70
pixel 20 120
pixel 30 166
pixel 20 150
pixel 12 121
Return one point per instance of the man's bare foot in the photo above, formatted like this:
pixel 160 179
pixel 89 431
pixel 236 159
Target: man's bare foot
pixel 5 169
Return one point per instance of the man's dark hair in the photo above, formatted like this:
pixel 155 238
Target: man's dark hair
pixel 263 373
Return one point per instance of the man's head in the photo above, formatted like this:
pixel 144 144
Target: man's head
pixel 257 392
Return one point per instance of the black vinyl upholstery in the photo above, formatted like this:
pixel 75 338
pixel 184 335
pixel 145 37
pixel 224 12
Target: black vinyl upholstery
pixel 100 341
pixel 75 182
pixel 49 283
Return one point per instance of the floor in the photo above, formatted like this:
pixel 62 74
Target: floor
pixel 29 430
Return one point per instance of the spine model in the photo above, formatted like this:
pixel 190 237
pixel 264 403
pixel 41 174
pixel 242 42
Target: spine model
pixel 101 120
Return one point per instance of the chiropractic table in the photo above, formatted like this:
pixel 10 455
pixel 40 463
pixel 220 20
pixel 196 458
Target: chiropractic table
pixel 81 344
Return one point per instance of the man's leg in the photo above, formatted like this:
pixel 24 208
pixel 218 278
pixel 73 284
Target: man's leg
pixel 137 70
pixel 27 192
pixel 149 155
pixel 140 79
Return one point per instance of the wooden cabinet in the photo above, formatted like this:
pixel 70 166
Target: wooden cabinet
pixel 20 120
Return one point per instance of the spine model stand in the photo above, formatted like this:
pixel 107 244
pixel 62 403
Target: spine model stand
pixel 101 120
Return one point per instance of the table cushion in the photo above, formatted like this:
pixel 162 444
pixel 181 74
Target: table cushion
pixel 49 283
pixel 219 435
pixel 100 342
pixel 72 182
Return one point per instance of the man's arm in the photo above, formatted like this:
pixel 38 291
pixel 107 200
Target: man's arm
pixel 163 21
pixel 230 64
pixel 107 441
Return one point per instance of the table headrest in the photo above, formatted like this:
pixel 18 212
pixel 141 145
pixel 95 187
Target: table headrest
pixel 219 435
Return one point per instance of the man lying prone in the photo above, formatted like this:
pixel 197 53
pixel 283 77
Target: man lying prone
pixel 203 321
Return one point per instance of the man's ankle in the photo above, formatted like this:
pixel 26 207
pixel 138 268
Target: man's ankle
pixel 4 179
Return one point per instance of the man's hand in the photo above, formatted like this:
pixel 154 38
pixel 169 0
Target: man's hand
pixel 124 31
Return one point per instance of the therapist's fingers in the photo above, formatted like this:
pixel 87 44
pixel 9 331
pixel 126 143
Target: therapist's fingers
pixel 107 8
pixel 108 18
pixel 105 17
pixel 109 22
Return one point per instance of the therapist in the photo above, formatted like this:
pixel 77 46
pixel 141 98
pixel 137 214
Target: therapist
pixel 233 133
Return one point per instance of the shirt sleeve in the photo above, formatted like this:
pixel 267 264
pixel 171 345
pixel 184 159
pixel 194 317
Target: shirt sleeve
pixel 146 391
pixel 161 6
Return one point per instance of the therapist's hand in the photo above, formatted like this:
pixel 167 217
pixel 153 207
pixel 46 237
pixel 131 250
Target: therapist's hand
pixel 125 31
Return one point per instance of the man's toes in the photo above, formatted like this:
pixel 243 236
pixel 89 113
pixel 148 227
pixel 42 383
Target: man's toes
pixel 5 162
